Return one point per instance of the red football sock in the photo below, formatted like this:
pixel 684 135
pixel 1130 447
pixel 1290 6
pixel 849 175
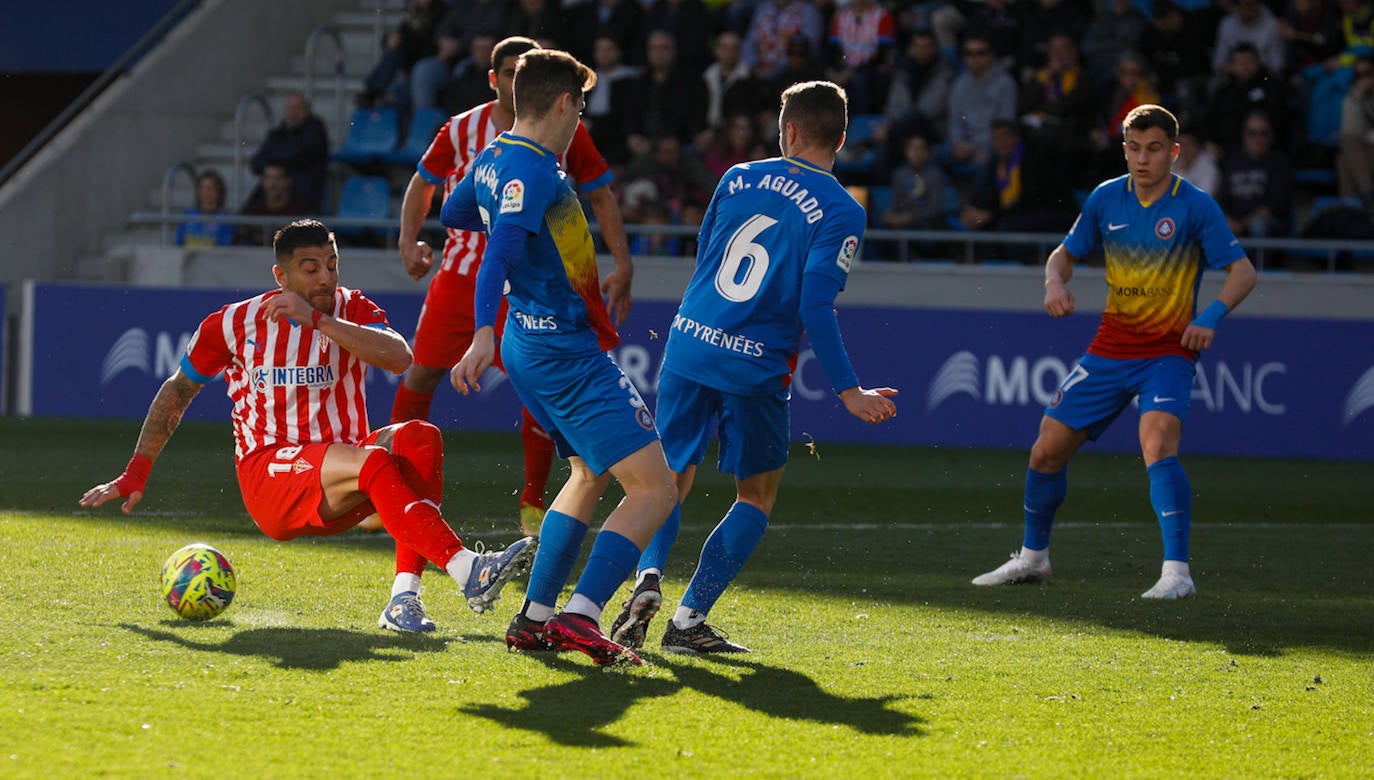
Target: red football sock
pixel 410 405
pixel 412 521
pixel 539 450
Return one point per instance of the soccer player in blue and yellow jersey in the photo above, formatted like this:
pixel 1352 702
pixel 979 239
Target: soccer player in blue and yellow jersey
pixel 554 349
pixel 776 246
pixel 1158 233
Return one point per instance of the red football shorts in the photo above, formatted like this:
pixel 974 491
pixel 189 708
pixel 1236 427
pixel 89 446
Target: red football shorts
pixel 281 491
pixel 444 331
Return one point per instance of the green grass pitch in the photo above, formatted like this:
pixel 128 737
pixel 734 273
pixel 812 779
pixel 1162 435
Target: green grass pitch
pixel 873 656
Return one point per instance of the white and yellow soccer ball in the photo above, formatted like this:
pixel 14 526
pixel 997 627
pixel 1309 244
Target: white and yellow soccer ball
pixel 198 582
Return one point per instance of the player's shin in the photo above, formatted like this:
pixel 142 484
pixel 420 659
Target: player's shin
pixel 1044 495
pixel 612 559
pixel 412 520
pixel 1171 496
pixel 560 541
pixel 722 557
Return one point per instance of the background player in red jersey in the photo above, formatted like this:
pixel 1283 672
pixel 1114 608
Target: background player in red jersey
pixel 445 329
pixel 294 361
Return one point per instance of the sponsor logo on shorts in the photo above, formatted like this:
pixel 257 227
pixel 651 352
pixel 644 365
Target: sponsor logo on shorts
pixel 301 465
pixel 645 418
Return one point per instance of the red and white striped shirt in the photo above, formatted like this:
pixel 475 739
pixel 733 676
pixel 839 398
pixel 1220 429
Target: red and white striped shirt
pixel 289 384
pixel 457 144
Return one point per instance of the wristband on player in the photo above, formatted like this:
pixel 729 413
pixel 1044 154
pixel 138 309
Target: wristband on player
pixel 1211 316
pixel 315 315
pixel 135 475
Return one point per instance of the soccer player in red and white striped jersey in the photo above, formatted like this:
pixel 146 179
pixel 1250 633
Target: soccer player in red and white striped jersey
pixel 445 329
pixel 295 360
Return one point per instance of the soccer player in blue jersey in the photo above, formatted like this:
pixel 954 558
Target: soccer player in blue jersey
pixel 776 246
pixel 1158 233
pixel 554 349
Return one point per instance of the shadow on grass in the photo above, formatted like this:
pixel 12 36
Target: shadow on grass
pixel 308 649
pixel 575 713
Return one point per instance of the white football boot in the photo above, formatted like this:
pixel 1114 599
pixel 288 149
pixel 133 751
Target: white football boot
pixel 1175 582
pixel 1024 566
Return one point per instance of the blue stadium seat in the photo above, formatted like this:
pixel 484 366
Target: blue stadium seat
pixel 423 125
pixel 858 155
pixel 879 201
pixel 372 134
pixel 364 196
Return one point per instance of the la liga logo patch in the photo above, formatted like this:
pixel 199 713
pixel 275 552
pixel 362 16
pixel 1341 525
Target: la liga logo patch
pixel 513 196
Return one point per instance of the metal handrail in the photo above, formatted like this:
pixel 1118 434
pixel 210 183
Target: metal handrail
pixel 240 116
pixel 89 94
pixel 1256 247
pixel 312 47
pixel 167 177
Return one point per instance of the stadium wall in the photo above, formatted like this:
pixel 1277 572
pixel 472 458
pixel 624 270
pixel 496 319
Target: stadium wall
pixel 101 166
pixel 970 376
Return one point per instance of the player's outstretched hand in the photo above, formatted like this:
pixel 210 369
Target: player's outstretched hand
pixel 104 492
pixel 871 406
pixel 1058 299
pixel 1198 338
pixel 616 288
pixel 418 258
pixel 475 362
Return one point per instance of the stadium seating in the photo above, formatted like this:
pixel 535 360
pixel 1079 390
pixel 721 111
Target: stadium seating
pixel 372 135
pixel 364 196
pixel 859 156
pixel 423 125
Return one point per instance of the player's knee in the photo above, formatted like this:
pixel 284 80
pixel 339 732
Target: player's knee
pixel 1048 458
pixel 423 379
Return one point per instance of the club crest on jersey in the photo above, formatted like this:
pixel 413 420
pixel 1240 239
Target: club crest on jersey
pixel 848 249
pixel 645 418
pixel 1165 228
pixel 513 196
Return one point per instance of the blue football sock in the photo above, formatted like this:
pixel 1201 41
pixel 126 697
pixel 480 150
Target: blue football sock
pixel 1172 498
pixel 1044 494
pixel 724 554
pixel 612 559
pixel 560 541
pixel 656 554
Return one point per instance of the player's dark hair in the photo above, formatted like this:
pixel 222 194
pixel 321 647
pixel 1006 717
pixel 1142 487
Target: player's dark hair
pixel 217 180
pixel 543 75
pixel 1149 115
pixel 301 233
pixel 513 46
pixel 819 109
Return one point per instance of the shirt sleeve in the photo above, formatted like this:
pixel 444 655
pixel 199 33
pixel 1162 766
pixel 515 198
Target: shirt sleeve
pixel 460 211
pixel 440 159
pixel 207 353
pixel 833 251
pixel 1219 245
pixel 1084 238
pixel 360 310
pixel 524 199
pixel 584 162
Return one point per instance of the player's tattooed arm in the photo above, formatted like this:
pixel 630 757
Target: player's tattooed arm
pixel 164 415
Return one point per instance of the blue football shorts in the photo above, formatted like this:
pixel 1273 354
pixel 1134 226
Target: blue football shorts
pixel 753 429
pixel 1098 389
pixel 586 403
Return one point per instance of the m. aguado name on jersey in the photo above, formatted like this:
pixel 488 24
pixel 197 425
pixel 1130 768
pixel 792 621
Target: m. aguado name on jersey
pixel 785 187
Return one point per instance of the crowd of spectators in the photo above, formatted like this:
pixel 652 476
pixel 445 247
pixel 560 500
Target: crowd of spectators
pixel 996 114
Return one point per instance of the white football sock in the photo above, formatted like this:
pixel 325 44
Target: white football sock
pixel 1036 558
pixel 1176 567
pixel 539 613
pixel 686 618
pixel 581 605
pixel 405 581
pixel 460 566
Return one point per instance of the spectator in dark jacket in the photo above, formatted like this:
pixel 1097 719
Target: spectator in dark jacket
pixel 1257 184
pixel 301 145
